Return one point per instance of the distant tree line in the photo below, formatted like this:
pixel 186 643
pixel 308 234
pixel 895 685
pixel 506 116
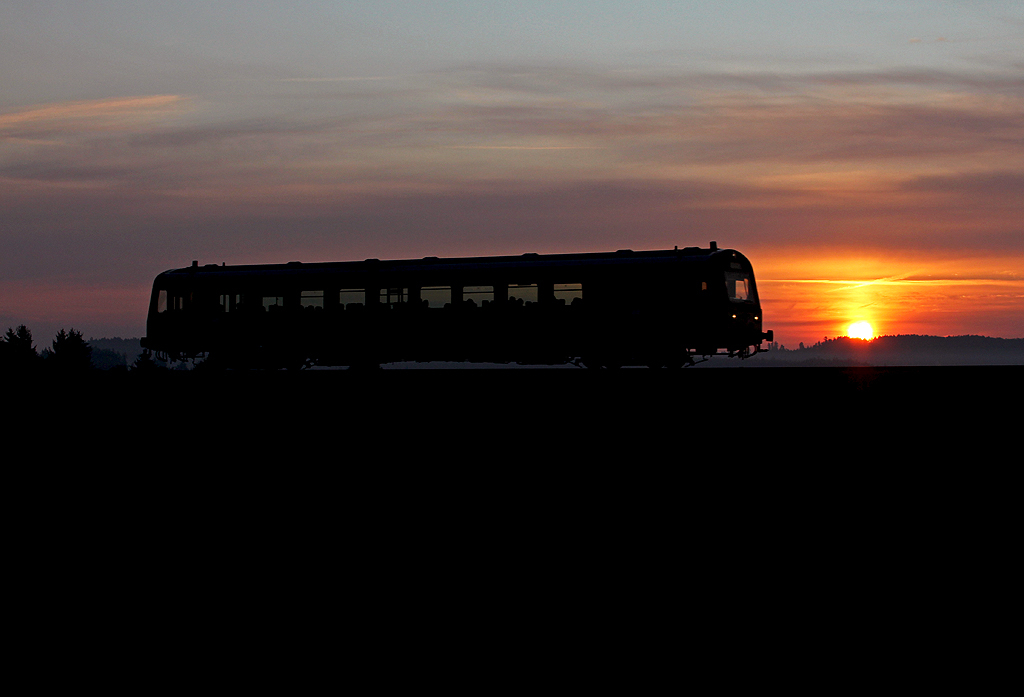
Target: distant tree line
pixel 68 353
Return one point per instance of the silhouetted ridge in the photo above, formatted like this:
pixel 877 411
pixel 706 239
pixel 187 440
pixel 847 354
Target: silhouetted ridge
pixel 903 349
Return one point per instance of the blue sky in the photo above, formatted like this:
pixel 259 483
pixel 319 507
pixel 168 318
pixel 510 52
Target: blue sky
pixel 833 142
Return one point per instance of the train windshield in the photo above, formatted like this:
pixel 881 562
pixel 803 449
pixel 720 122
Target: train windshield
pixel 740 285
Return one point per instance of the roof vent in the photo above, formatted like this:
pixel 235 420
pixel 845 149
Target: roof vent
pixel 714 246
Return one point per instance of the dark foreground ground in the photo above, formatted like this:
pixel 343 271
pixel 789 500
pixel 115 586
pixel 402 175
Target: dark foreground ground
pixel 851 522
pixel 766 436
pixel 742 413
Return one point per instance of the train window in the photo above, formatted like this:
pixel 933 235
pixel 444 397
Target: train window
pixel 161 301
pixel 390 297
pixel 351 296
pixel 738 285
pixel 526 292
pixel 273 302
pixel 312 298
pixel 436 296
pixel 478 294
pixel 177 302
pixel 230 302
pixel 568 292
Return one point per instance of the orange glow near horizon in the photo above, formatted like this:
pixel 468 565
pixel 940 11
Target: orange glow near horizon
pixel 805 300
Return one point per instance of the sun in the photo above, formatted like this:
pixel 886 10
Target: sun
pixel 860 330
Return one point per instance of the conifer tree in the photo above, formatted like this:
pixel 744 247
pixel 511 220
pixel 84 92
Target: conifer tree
pixel 16 349
pixel 71 353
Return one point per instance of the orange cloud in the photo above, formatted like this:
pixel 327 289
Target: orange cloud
pixel 92 115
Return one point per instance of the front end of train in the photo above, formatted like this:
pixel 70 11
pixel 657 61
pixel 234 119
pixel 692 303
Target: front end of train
pixel 739 318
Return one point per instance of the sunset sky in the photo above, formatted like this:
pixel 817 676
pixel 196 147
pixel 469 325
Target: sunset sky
pixel 868 157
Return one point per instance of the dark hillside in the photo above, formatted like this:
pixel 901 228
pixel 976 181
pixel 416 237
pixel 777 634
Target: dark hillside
pixel 129 348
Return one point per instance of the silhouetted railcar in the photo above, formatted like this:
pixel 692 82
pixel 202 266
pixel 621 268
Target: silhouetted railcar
pixel 655 308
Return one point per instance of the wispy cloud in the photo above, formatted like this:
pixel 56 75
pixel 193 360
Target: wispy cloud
pixel 886 281
pixel 339 79
pixel 99 114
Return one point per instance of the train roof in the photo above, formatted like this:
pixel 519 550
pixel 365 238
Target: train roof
pixel 430 262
